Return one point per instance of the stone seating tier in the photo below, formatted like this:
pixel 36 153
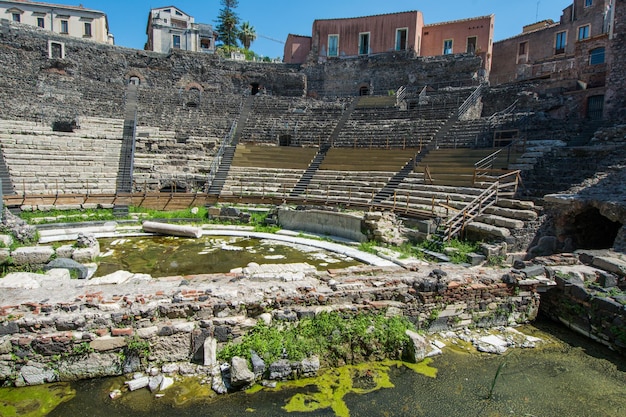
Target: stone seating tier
pixel 42 161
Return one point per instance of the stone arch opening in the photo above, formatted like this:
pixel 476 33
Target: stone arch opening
pixel 592 230
pixel 255 88
pixel 364 90
pixel 135 78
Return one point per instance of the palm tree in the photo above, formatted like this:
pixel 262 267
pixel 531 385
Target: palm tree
pixel 247 34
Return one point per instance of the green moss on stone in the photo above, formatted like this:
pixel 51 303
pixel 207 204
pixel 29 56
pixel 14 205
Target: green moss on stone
pixel 35 401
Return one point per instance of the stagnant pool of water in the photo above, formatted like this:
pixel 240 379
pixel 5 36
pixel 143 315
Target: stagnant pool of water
pixel 570 377
pixel 168 256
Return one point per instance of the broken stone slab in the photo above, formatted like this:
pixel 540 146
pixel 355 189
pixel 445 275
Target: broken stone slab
pixel 609 264
pixel 79 270
pixel 210 351
pixel 418 348
pixel 116 278
pixel 166 382
pixel 240 373
pixel 258 364
pixel 172 229
pixel 491 344
pixel 20 280
pixel 32 255
pixel 155 383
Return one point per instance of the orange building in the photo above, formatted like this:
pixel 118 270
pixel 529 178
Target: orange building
pixel 404 31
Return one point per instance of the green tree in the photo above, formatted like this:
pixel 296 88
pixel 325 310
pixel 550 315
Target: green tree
pixel 247 34
pixel 228 23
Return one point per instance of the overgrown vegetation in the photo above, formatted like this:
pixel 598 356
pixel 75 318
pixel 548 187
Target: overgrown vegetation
pixel 195 213
pixel 336 338
pixel 456 250
pixel 67 216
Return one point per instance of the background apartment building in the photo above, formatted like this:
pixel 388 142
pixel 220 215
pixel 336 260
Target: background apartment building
pixel 74 21
pixel 575 51
pixel 553 49
pixel 171 28
pixel 404 31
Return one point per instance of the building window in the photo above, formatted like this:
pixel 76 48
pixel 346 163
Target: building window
pixel 471 45
pixel 333 45
pixel 56 50
pixel 588 3
pixel 583 32
pixel 447 47
pixel 522 48
pixel 401 38
pixel 364 43
pixel 65 27
pixel 17 17
pixel 176 41
pixel 560 43
pixel 596 56
pixel 87 33
pixel 41 22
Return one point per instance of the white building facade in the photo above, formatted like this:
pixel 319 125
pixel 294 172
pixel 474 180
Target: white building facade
pixel 74 21
pixel 171 28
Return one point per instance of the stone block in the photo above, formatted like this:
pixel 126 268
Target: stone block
pixel 475 258
pixel 240 374
pixel 32 255
pixel 107 343
pixel 418 347
pixel 609 264
pixel 85 254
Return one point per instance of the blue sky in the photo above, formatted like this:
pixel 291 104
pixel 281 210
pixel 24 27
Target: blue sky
pixel 277 18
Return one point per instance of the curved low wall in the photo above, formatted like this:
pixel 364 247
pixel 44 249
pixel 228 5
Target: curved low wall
pixel 322 222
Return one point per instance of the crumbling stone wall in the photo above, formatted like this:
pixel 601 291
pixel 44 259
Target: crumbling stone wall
pixel 93 336
pixel 387 72
pixel 90 80
pixel 615 102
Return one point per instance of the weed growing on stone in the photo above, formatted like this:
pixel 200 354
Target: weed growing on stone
pixel 82 349
pixel 135 346
pixel 336 338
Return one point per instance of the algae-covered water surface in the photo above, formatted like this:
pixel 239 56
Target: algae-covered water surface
pixel 569 376
pixel 167 256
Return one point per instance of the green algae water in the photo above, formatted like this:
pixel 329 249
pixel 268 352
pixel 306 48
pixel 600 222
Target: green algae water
pixel 171 256
pixel 569 376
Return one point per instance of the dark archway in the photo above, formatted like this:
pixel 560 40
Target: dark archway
pixel 255 88
pixel 364 90
pixel 594 231
pixel 284 140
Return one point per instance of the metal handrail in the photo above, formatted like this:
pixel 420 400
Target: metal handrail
pixel 471 100
pixel 472 209
pixel 217 159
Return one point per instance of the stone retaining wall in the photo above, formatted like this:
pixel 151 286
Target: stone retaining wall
pixel 97 333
